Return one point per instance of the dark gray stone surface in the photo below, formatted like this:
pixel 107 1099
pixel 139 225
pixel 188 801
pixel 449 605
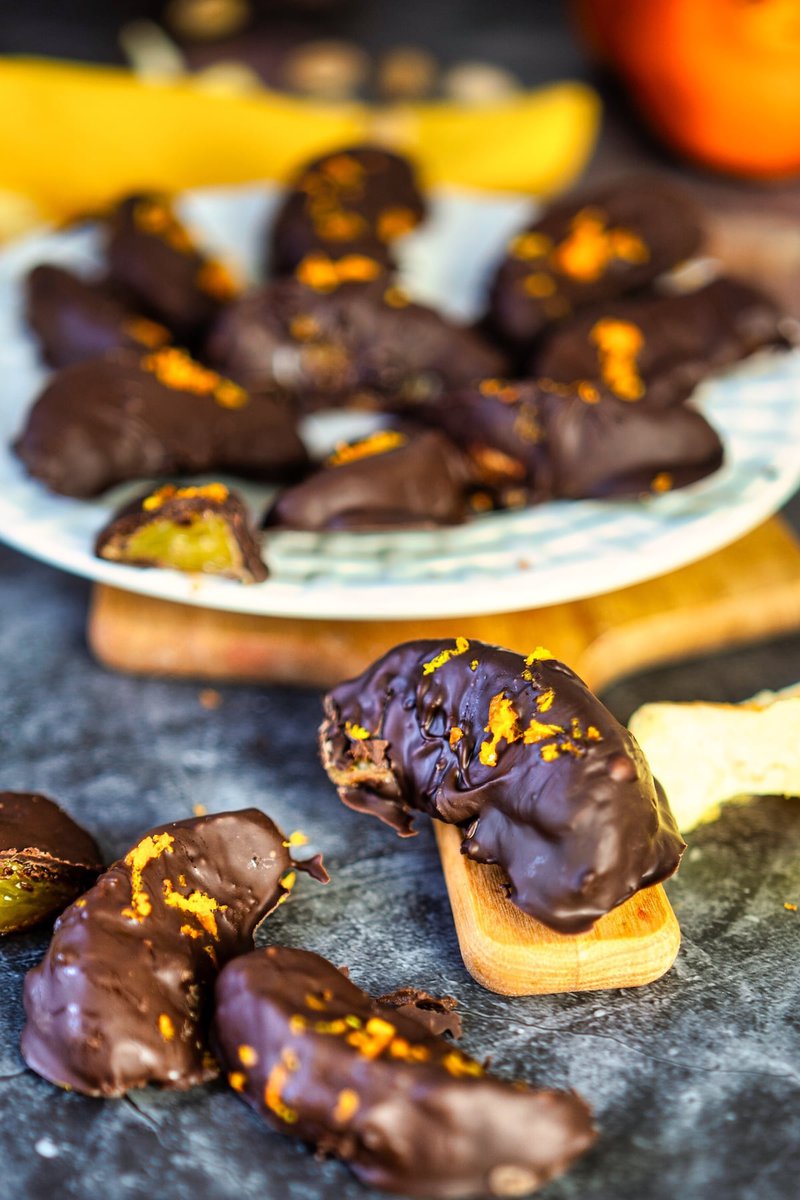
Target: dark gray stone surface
pixel 695 1079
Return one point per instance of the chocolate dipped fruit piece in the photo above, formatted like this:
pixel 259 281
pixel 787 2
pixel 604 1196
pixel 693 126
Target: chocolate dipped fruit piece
pixel 518 753
pixel 202 529
pixel 321 1060
pixel 151 253
pixel 340 332
pixel 655 349
pixel 123 996
pixel 392 479
pixel 533 440
pixel 75 318
pixel 591 248
pixel 358 200
pixel 128 416
pixel 46 860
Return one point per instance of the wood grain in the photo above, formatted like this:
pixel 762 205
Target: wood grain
pixel 509 952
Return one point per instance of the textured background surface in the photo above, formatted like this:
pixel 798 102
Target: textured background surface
pixel 694 1080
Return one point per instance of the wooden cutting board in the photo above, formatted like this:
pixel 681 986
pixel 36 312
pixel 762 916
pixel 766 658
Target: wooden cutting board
pixel 748 591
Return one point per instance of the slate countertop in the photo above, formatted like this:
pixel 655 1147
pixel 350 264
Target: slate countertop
pixel 694 1079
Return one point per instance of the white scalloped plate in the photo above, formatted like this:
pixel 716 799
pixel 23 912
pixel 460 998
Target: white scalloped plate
pixel 499 562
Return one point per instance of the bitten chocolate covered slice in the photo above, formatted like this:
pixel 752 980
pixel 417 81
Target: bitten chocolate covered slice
pixel 152 254
pixel 75 318
pixel 123 995
pixel 391 479
pixel 205 529
pixel 46 860
pixel 538 440
pixel 517 752
pixel 321 1060
pixel 340 332
pixel 126 416
pixel 656 349
pixel 360 199
pixel 590 248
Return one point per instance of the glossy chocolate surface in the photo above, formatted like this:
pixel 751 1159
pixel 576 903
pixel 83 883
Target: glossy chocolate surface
pixel 74 318
pixel 122 997
pixel 517 752
pixel 330 340
pixel 590 248
pixel 321 1060
pixel 391 479
pixel 358 200
pixel 655 349
pixel 536 440
pixel 153 255
pixel 129 416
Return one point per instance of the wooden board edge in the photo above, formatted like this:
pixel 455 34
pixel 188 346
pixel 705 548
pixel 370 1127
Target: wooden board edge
pixel 512 954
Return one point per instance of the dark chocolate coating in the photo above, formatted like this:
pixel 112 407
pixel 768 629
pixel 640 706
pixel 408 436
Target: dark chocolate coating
pixel 75 318
pixel 151 253
pixel 529 441
pixel 517 752
pixel 46 860
pixel 36 826
pixel 355 200
pixel 682 339
pixel 321 1060
pixel 437 1014
pixel 108 420
pixel 182 509
pixel 122 997
pixel 361 343
pixel 418 484
pixel 590 248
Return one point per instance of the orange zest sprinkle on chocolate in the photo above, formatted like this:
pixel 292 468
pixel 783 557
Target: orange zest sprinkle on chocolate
pixel 394 223
pixel 500 389
pixel 458 1065
pixel 530 245
pixel 539 654
pixel 380 442
pixel 590 247
pixel 166 1027
pixel 216 492
pixel 324 274
pixel 297 838
pixel 545 699
pixel 473 666
pixel 456 734
pixel 618 345
pixel 396 297
pixel 274 1086
pixel 356 733
pixel 538 285
pixel 461 646
pixel 662 482
pixel 147 851
pixel 303 328
pixel 176 369
pixel 248 1056
pixel 502 725
pixel 237 1080
pixel 538 731
pixel 156 218
pixel 588 392
pixel 347 1105
pixel 146 333
pixel 217 280
pixel 376 1035
pixel 198 904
